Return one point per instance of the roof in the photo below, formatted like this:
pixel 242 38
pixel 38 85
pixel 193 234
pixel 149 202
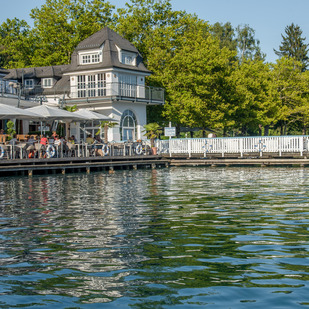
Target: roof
pixel 108 39
pixel 3 71
pixel 106 34
pixel 37 72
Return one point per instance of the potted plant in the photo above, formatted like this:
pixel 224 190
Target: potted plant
pixel 10 129
pixel 153 131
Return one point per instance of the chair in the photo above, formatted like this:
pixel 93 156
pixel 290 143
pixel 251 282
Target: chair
pixel 39 148
pixel 21 148
pixel 71 150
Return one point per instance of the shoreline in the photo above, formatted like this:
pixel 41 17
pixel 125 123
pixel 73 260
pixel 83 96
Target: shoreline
pixel 30 167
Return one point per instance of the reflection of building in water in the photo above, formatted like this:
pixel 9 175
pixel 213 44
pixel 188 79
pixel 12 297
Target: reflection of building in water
pixel 85 223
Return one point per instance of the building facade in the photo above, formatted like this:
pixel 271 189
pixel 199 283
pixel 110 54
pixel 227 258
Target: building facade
pixel 106 75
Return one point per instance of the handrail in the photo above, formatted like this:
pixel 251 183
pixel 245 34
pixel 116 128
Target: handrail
pixel 89 91
pixel 236 145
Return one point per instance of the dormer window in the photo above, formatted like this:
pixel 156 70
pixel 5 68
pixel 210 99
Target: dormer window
pixel 29 83
pixel 47 83
pixel 90 57
pixel 128 58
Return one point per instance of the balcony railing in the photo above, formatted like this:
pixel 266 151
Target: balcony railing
pixel 94 92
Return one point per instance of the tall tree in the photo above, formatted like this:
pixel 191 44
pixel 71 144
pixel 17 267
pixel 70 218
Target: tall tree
pixel 226 34
pixel 59 25
pixel 247 45
pixel 293 45
pixel 15 44
pixel 256 106
pixel 196 81
pixel 292 93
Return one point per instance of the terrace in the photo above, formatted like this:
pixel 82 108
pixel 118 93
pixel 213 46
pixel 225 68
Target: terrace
pixel 99 92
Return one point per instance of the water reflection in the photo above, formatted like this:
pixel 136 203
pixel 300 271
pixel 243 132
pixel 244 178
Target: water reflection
pixel 149 239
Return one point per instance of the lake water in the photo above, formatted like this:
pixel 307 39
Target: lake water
pixel 165 238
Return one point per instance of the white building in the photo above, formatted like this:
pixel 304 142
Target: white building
pixel 106 75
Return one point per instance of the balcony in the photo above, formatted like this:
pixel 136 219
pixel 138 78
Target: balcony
pixel 99 92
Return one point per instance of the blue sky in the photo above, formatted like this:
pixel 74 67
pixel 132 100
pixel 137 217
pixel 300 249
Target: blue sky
pixel 267 17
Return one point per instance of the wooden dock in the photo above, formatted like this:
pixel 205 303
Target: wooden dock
pixel 32 167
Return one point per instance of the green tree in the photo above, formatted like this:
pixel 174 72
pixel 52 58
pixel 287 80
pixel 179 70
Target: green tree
pixel 293 45
pixel 15 44
pixel 197 83
pixel 292 93
pixel 59 25
pixel 255 94
pixel 226 34
pixel 156 30
pixel 247 45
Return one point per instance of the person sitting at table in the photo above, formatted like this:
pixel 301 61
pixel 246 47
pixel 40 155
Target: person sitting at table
pixel 30 146
pixel 89 139
pixel 72 140
pixel 44 140
pixel 13 140
pixel 97 145
pixel 54 134
pixel 2 136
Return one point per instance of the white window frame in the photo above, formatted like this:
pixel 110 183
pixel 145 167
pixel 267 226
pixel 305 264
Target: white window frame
pixel 128 115
pixel 128 58
pixel 92 85
pixel 47 82
pixel 90 57
pixel 29 83
pixel 128 85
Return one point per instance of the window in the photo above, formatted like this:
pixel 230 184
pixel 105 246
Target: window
pixel 29 83
pixel 81 86
pixel 47 82
pixel 89 58
pixel 128 58
pixel 128 124
pixel 128 85
pixel 91 85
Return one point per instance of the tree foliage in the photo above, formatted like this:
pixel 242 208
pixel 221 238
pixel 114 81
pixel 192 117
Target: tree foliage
pixel 61 24
pixel 293 45
pixel 247 45
pixel 214 75
pixel 15 44
pixel 226 35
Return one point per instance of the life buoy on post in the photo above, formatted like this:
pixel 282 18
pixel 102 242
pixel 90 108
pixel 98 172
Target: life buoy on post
pixel 105 150
pixel 139 149
pixel 1 152
pixel 50 151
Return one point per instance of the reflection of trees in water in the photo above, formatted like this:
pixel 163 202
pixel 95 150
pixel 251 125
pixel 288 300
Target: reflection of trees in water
pixel 98 237
pixel 80 223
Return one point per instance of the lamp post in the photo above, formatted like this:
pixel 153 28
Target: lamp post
pixel 18 87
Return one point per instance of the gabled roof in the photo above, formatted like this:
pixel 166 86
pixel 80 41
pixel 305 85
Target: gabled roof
pixel 108 39
pixel 37 72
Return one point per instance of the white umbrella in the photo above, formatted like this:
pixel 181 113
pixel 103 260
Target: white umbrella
pixel 53 113
pixel 91 115
pixel 12 112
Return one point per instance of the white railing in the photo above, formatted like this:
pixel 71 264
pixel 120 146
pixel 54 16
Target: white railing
pixel 235 145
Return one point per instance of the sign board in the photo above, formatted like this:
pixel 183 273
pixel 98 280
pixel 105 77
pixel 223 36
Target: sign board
pixel 170 131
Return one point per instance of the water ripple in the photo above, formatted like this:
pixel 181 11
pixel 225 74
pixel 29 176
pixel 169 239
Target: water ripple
pixel 179 237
